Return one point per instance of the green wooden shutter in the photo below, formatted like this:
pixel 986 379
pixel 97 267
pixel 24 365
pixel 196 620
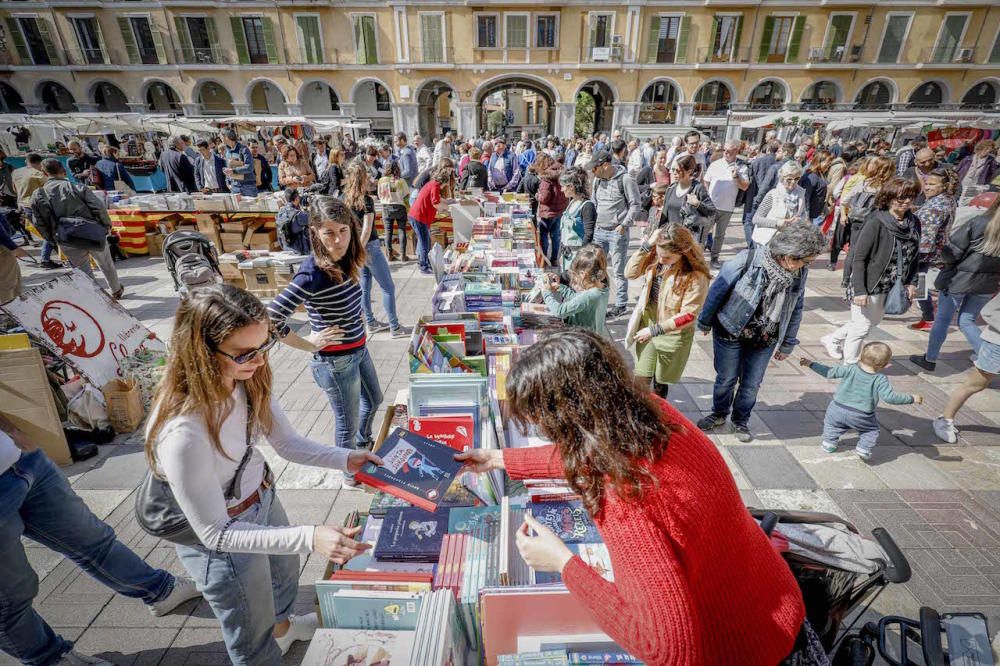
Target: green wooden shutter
pixel 359 41
pixel 654 39
pixel 371 47
pixel 765 39
pixel 241 40
pixel 682 40
pixel 711 41
pixel 187 51
pixel 213 39
pixel 736 40
pixel 105 56
pixel 995 53
pixel 792 54
pixel 269 42
pixel 15 34
pixel 161 50
pixel 129 38
pixel 50 46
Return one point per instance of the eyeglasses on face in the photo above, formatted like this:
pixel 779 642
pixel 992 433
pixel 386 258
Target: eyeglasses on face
pixel 246 357
pixel 903 199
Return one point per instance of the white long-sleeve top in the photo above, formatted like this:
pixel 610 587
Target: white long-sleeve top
pixel 198 476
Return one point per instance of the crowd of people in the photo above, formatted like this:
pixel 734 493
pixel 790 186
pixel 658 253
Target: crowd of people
pixel 893 215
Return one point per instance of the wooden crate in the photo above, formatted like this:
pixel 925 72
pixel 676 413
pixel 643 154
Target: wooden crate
pixel 26 399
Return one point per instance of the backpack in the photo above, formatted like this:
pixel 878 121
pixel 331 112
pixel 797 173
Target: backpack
pixel 191 260
pixel 861 205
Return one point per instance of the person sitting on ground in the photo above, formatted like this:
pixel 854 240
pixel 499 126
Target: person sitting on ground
pixel 674 290
pixel 853 405
pixel 584 302
pixel 647 476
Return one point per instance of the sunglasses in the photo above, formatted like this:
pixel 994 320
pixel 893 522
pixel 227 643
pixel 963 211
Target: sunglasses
pixel 246 357
pixel 903 199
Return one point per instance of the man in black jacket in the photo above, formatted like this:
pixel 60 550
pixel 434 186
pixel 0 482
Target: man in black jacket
pixel 262 170
pixel 475 174
pixel 177 168
pixel 79 162
pixel 208 174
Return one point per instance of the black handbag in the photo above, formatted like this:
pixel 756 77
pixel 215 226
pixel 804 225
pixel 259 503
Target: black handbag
pixel 897 301
pixel 156 508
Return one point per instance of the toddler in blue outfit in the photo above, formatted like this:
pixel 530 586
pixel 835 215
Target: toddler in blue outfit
pixel 853 405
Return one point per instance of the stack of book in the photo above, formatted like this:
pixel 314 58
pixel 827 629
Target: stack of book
pixel 483 296
pixel 574 526
pixel 439 638
pixel 347 647
pixel 567 658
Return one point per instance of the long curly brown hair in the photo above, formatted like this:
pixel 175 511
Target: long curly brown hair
pixel 678 239
pixel 562 384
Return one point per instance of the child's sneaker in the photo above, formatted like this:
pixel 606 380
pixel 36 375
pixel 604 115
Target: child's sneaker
pixel 829 447
pixel 864 454
pixel 945 430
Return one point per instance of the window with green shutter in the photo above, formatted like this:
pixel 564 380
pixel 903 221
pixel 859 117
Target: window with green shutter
pixel 664 32
pixel 146 42
pixel 995 52
pixel 88 37
pixel 682 40
pixel 310 44
pixel 23 55
pixel 270 43
pixel 724 38
pixel 839 31
pixel 131 49
pixel 775 41
pixel 896 27
pixel 950 39
pixel 365 47
pixel 795 42
pixel 37 46
pixel 432 37
pixel 240 40
pixel 516 31
pixel 260 48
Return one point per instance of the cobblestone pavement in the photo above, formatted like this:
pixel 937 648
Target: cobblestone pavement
pixel 941 502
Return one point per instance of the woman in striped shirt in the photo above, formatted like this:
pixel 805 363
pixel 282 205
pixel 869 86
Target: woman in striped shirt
pixel 327 284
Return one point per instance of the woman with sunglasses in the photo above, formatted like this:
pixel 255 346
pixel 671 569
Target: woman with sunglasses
pixel 213 404
pixel 687 201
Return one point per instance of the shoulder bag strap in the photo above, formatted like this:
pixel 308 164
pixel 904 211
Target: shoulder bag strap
pixel 232 492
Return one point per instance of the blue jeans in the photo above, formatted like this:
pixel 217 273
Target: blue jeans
pixel 351 385
pixel 248 592
pixel 47 246
pixel 968 307
pixel 737 363
pixel 615 245
pixel 377 266
pixel 839 419
pixel 423 232
pixel 549 235
pixel 36 501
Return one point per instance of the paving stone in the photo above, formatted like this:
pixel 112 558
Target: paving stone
pixel 771 467
pixel 125 469
pixel 741 481
pixel 103 502
pixel 905 468
pixel 842 470
pixel 798 500
pixel 127 646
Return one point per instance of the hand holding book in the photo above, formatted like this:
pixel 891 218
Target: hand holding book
pixel 544 551
pixel 337 544
pixel 358 459
pixel 481 461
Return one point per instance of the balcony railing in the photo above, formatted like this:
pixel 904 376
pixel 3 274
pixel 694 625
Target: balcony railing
pixel 835 54
pixel 90 57
pixel 709 56
pixel 711 108
pixel 432 55
pixel 940 55
pixel 325 57
pixel 602 54
pixel 204 56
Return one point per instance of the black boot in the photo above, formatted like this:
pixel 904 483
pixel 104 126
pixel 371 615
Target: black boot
pixel 661 389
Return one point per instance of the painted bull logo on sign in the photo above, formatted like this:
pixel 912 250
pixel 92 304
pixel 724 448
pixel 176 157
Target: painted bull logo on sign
pixel 72 329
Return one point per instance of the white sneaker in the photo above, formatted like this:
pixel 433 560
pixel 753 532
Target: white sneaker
pixel 302 628
pixel 74 658
pixel 184 590
pixel 945 430
pixel 864 454
pixel 829 447
pixel 833 348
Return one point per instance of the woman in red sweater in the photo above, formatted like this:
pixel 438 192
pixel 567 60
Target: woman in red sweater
pixel 696 580
pixel 434 198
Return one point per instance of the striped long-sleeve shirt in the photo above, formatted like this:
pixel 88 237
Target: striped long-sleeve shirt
pixel 327 302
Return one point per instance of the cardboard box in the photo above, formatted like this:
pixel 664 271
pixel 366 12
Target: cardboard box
pixel 27 400
pixel 124 404
pixel 263 240
pixel 154 241
pixel 230 269
pixel 231 242
pixel 208 226
pixel 232 227
pixel 260 281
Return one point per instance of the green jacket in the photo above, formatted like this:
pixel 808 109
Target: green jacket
pixel 586 309
pixel 59 198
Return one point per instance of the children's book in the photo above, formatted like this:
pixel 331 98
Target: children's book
pixel 414 468
pixel 353 647
pixel 411 534
pixel 569 520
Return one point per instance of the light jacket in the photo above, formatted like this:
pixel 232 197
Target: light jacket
pixel 617 200
pixel 736 292
pixel 669 304
pixel 59 198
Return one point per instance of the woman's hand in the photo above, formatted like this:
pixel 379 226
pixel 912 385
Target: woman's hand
pixel 481 461
pixel 861 301
pixel 328 336
pixel 337 544
pixel 643 335
pixel 693 199
pixel 654 236
pixel 544 551
pixel 358 459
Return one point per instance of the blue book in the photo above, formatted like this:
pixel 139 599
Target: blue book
pixel 414 468
pixel 411 535
pixel 569 520
pixel 367 609
pixel 464 520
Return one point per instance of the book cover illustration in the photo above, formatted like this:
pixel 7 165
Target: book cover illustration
pixel 415 469
pixel 349 647
pixel 368 609
pixel 411 534
pixel 569 520
pixel 457 431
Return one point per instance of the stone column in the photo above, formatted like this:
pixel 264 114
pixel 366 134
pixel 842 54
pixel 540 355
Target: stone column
pixel 347 109
pixel 466 119
pixel 565 120
pixel 191 109
pixel 86 108
pixel 626 113
pixel 137 107
pixel 241 108
pixel 405 118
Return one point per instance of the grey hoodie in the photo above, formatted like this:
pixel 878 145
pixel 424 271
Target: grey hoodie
pixel 616 199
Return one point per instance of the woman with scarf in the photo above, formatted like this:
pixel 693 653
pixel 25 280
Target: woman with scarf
pixel 886 249
pixel 783 205
pixel 935 215
pixel 753 309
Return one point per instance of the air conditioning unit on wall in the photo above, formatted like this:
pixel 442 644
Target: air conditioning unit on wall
pixel 964 55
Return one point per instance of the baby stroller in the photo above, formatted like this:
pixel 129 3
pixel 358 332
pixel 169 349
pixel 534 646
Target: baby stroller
pixel 191 260
pixel 837 570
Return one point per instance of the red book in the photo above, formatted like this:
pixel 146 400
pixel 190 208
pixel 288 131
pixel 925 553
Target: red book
pixel 452 329
pixel 456 431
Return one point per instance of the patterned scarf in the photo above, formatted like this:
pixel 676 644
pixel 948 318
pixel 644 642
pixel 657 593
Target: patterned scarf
pixel 778 282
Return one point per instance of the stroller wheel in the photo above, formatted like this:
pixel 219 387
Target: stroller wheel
pixel 854 651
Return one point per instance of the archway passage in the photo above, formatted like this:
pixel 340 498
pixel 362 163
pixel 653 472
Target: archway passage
pixel 215 100
pixel 820 95
pixel 712 99
pixel 927 95
pixel 10 100
pixel 768 95
pixel 980 95
pixel 595 104
pixel 658 104
pixel 266 98
pixel 516 106
pixel 373 103
pixel 319 99
pixel 109 98
pixel 161 98
pixel 56 98
pixel 435 109
pixel 874 96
